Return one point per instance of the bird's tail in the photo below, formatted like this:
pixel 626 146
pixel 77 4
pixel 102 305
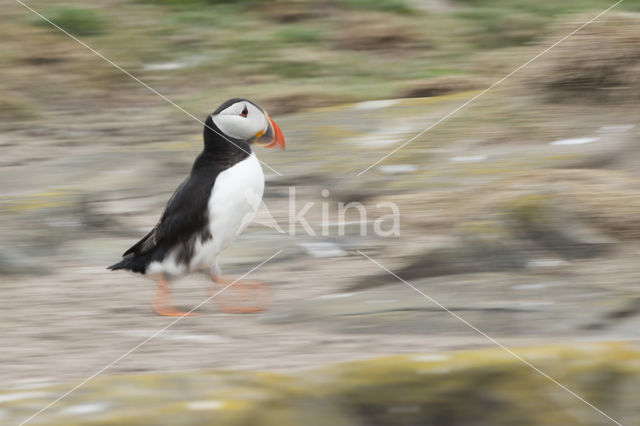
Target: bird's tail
pixel 119 265
pixel 133 263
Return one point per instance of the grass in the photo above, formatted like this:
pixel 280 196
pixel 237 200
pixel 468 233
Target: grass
pixel 487 28
pixel 201 3
pixel 394 6
pixel 491 24
pixel 76 20
pixel 239 46
pixel 298 34
pixel 291 69
pixel 548 8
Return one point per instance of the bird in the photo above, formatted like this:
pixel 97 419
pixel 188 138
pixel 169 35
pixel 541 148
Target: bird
pixel 211 207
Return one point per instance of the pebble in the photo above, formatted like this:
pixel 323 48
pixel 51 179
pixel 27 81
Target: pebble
pixel 22 395
pixel 386 136
pixel 398 168
pixel 430 358
pixel 205 405
pixel 574 141
pixel 336 295
pixel 368 105
pixel 165 66
pixel 323 249
pixel 168 335
pixel 468 158
pixel 82 409
pixel 546 263
pixel 378 140
pixel 31 383
pixel 616 129
pixel 174 65
pixel 533 286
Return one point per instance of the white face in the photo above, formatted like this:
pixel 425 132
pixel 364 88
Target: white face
pixel 242 120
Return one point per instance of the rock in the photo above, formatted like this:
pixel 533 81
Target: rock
pixel 480 387
pixel 550 223
pixel 481 246
pixel 628 308
pixel 488 387
pixel 534 229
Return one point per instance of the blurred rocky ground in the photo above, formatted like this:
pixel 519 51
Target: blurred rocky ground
pixel 482 387
pixel 519 213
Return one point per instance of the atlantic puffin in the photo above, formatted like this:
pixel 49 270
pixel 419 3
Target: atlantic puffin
pixel 211 207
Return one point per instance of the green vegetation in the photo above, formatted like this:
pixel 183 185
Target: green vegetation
pixel 291 69
pixel 299 34
pixel 443 388
pixel 489 28
pixel 394 6
pixel 548 8
pixel 76 20
pixel 204 3
pixel 352 49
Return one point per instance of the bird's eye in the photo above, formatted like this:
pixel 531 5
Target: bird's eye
pixel 244 112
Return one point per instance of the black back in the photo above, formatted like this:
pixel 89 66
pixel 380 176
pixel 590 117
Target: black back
pixel 185 216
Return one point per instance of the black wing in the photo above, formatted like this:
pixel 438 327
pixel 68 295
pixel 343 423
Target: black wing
pixel 184 216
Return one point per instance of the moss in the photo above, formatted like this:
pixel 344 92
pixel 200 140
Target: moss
pixel 38 201
pixel 528 208
pixel 489 386
pixel 16 108
pixel 484 228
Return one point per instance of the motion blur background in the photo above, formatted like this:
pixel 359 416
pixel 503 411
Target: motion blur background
pixel 520 212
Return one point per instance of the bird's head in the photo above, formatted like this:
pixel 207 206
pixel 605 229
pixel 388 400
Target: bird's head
pixel 241 120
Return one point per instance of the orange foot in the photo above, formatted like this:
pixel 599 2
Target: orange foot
pixel 162 303
pixel 241 297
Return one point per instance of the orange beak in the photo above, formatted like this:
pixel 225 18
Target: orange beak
pixel 273 137
pixel 278 138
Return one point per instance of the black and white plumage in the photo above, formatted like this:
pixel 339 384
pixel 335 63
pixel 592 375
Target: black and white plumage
pixel 215 203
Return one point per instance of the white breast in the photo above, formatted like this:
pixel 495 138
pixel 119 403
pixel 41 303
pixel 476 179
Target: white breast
pixel 235 198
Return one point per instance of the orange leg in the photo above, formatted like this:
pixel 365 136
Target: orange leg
pixel 242 297
pixel 162 303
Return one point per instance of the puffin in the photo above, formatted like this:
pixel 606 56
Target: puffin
pixel 211 207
